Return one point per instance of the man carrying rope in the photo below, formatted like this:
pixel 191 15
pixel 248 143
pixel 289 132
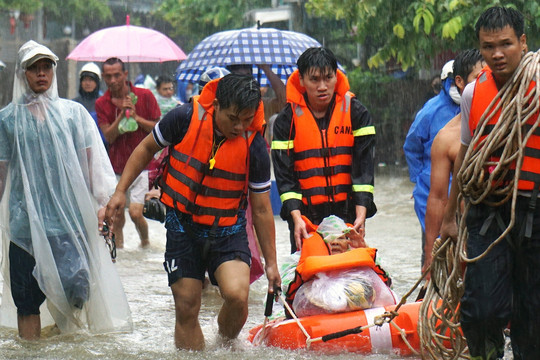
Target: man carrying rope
pixel 500 179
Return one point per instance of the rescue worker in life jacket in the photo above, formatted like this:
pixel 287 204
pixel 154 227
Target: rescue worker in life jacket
pixel 322 148
pixel 504 284
pixel 217 155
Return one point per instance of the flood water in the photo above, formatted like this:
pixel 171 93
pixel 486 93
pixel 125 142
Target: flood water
pixel 394 230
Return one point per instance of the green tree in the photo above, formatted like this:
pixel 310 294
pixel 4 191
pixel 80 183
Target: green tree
pixel 60 9
pixel 412 32
pixel 27 6
pixel 201 18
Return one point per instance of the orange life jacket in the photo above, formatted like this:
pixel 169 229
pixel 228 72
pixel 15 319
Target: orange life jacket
pixel 484 92
pixel 211 195
pixel 322 158
pixel 315 257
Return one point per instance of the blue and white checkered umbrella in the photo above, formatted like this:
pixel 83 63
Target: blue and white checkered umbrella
pixel 278 48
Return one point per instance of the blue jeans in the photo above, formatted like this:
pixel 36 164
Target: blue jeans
pixel 504 286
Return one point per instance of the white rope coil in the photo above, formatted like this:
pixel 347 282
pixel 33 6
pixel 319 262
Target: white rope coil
pixel 482 180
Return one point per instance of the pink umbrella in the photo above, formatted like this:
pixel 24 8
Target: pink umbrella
pixel 128 42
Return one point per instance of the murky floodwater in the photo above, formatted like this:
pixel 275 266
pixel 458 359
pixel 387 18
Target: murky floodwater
pixel 394 231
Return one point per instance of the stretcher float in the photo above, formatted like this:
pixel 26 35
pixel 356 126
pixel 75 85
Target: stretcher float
pixel 398 337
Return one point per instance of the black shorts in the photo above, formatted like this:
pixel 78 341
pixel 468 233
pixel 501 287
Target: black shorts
pixel 72 270
pixel 25 290
pixel 188 257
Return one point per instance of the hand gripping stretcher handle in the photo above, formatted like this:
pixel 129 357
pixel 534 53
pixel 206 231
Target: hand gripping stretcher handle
pixel 269 303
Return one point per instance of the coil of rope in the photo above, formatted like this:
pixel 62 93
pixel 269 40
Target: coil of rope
pixel 482 179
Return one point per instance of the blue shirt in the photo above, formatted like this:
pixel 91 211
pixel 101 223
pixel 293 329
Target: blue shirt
pixel 435 113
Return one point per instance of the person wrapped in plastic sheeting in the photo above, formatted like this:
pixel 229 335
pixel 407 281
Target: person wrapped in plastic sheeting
pixel 54 175
pixel 433 116
pixel 336 272
pixel 342 291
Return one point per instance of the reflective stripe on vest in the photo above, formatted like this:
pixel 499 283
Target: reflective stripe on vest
pixel 290 195
pixel 484 92
pixel 366 130
pixel 363 188
pixel 282 145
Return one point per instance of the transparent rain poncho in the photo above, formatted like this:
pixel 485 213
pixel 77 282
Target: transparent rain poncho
pixel 57 174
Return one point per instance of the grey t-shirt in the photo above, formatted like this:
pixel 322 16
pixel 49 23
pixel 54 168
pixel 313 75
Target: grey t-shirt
pixel 466 101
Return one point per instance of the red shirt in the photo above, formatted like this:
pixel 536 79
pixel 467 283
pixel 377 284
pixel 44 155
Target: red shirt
pixel 123 146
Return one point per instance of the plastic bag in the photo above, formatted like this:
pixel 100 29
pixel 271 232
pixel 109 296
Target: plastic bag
pixel 332 227
pixel 342 291
pixel 127 125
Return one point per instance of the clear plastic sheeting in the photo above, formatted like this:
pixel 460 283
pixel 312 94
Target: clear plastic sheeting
pixel 332 227
pixel 57 174
pixel 342 291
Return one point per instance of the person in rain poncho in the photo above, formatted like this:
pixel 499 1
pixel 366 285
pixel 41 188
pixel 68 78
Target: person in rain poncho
pixel 165 94
pixel 54 174
pixel 89 87
pixel 89 90
pixel 433 116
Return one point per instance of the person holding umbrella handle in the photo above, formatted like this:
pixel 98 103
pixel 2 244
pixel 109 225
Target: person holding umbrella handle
pixel 122 101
